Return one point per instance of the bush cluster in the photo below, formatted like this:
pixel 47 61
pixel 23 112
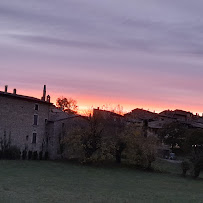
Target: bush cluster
pixel 97 143
pixel 30 155
pixel 11 152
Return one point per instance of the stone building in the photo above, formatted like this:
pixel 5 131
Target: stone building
pixel 156 121
pixel 34 125
pixel 37 126
pixel 179 115
pixel 23 120
pixel 141 114
pixel 107 115
pixel 58 126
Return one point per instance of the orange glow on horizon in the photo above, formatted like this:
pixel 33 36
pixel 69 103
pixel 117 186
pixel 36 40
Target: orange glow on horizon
pixel 86 103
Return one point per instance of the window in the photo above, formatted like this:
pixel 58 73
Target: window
pixel 47 140
pixel 36 107
pixel 34 138
pixel 35 119
pixel 27 137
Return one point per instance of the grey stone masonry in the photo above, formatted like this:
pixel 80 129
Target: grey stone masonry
pixel 23 120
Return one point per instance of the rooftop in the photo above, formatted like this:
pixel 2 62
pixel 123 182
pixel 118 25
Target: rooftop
pixel 29 98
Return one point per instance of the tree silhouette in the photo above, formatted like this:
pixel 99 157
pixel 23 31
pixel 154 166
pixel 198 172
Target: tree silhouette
pixel 67 105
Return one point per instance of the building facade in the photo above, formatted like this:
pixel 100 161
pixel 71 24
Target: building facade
pixel 35 126
pixel 23 121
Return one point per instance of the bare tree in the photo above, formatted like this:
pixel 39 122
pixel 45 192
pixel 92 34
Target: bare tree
pixel 116 109
pixel 67 105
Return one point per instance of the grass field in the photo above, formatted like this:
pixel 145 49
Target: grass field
pixel 46 181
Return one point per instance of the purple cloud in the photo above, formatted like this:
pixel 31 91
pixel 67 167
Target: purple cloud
pixel 137 49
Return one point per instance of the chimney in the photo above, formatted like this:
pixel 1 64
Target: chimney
pixel 48 98
pixel 14 91
pixel 6 88
pixel 44 93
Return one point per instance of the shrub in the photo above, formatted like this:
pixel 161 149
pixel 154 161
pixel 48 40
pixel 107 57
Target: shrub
pixel 40 155
pixel 139 151
pixel 30 155
pixel 185 165
pixel 24 154
pixel 82 144
pixel 12 153
pixel 8 151
pixel 35 155
pixel 46 155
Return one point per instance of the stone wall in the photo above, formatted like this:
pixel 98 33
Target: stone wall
pixel 58 129
pixel 17 122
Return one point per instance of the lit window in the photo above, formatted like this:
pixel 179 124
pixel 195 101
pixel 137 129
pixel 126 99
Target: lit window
pixel 35 119
pixel 34 138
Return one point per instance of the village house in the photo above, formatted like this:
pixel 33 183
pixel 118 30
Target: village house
pixel 33 125
pixel 58 126
pixel 23 120
pixel 106 115
pixel 179 115
pixel 141 114
pixel 156 121
pixel 36 126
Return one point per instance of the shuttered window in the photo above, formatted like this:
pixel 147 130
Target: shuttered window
pixel 34 138
pixel 35 119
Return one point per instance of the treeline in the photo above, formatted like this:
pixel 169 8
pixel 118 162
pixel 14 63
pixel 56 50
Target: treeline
pixel 107 141
pixel 181 137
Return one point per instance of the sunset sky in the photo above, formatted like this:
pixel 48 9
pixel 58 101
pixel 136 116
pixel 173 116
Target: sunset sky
pixel 136 53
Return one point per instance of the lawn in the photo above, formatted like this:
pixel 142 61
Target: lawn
pixel 46 181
